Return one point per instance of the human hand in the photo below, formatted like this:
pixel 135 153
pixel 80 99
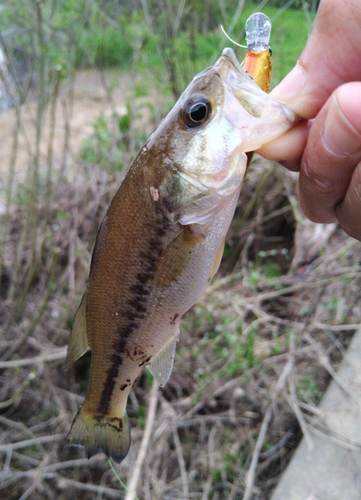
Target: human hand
pixel 325 90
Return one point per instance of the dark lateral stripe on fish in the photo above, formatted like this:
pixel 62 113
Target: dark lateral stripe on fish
pixel 109 386
pixel 137 308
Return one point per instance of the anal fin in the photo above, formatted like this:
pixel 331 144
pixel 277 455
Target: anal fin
pixel 161 365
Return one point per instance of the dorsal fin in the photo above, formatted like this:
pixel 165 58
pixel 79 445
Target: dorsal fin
pixel 78 344
pixel 162 363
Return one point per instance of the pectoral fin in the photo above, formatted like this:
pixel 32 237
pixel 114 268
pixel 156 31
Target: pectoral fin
pixel 177 255
pixel 217 260
pixel 78 344
pixel 162 363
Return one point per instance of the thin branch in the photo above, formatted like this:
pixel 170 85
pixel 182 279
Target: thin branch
pixel 304 285
pixel 110 492
pixel 18 393
pixel 294 403
pixel 54 356
pixel 134 480
pixel 335 328
pixel 63 483
pixel 28 491
pixel 264 427
pixel 31 442
pixel 332 439
pixel 181 462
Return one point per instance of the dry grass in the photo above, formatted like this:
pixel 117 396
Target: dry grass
pixel 254 358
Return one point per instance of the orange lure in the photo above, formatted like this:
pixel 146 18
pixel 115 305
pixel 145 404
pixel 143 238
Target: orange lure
pixel 259 67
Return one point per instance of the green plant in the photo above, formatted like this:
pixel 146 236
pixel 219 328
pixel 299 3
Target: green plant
pixel 308 390
pixel 267 271
pixel 116 139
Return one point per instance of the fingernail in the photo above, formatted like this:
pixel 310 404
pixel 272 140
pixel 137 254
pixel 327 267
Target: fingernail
pixel 339 136
pixel 291 86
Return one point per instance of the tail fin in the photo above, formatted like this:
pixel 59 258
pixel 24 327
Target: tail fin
pixel 97 433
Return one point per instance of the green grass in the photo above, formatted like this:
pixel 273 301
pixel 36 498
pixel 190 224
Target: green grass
pixel 103 47
pixel 290 31
pixel 194 51
pixel 189 52
pixel 308 390
pixel 92 39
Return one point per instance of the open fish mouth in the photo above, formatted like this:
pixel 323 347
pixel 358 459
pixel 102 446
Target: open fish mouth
pixel 255 103
pixel 228 54
pixel 228 65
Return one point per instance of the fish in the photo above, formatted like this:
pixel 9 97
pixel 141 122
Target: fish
pixel 161 242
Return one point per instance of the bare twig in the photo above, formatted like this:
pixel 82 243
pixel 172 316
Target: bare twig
pixel 335 440
pixel 262 434
pixel 325 362
pixel 181 462
pixel 55 356
pixel 28 491
pixel 63 483
pixel 293 401
pixel 305 285
pixel 110 492
pixel 134 480
pixel 18 393
pixel 335 328
pixel 210 453
pixel 31 442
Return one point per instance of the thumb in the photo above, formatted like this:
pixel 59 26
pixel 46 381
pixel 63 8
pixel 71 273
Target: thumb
pixel 332 56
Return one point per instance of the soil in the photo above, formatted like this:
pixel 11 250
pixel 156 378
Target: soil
pixel 75 110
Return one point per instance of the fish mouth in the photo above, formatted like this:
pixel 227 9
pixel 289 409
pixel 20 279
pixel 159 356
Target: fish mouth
pixel 258 117
pixel 236 78
pixel 228 63
pixel 231 56
pixel 244 88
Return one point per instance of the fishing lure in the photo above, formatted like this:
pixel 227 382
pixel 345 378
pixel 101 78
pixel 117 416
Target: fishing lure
pixel 258 60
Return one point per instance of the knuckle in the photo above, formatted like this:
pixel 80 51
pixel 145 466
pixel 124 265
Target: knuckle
pixel 315 181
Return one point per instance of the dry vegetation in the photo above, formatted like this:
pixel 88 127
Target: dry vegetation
pixel 255 354
pixel 254 358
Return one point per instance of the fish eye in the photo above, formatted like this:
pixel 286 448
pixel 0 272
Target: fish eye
pixel 196 111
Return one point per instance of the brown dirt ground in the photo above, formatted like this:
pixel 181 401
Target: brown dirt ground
pixel 77 111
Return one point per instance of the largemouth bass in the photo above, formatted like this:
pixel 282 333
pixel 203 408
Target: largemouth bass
pixel 161 242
